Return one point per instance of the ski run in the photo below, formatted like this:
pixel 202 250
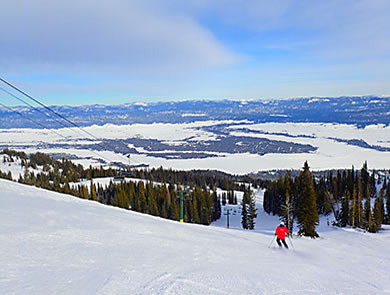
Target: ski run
pixel 58 244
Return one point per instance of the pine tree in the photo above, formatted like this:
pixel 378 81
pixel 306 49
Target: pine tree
pixel 223 199
pixel 344 212
pixel 186 214
pixel 372 227
pixel 164 211
pixel 216 206
pixel 151 200
pixel 378 212
pixel 174 211
pixel 140 197
pixel 66 189
pixel 287 211
pixel 252 215
pixel 84 192
pixel 307 215
pixel 365 176
pixel 388 204
pixel 244 212
pixel 323 204
pixel 372 183
pixel 280 195
pixel 367 211
pixel 122 200
pixel 353 213
pixel 93 191
pixel 195 215
pixel 100 194
pixel 335 191
pixel 360 213
pixel 132 196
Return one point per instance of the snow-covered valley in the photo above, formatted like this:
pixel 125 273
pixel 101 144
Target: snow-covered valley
pixel 237 147
pixel 58 244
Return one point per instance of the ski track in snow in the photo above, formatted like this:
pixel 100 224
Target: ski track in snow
pixel 58 244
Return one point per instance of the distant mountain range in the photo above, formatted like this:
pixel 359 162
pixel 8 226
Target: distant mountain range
pixel 359 110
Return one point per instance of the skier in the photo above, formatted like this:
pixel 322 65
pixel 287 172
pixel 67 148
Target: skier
pixel 281 232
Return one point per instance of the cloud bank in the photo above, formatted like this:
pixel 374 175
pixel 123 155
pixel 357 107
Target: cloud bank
pixel 124 36
pixel 168 49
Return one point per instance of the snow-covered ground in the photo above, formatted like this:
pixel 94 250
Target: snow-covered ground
pixel 15 167
pixel 331 154
pixel 57 244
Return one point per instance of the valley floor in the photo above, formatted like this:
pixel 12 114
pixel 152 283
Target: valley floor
pixel 245 147
pixel 58 244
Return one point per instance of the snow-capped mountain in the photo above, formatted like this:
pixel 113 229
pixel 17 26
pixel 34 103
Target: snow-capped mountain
pixel 359 110
pixel 235 136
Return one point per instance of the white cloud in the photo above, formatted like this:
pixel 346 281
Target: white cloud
pixel 332 28
pixel 170 48
pixel 105 36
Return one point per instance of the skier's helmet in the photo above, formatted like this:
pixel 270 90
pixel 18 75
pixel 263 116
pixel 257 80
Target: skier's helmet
pixel 282 223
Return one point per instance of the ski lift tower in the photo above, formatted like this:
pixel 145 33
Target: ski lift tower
pixel 185 195
pixel 228 211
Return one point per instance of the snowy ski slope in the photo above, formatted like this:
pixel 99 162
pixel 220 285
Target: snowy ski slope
pixel 57 244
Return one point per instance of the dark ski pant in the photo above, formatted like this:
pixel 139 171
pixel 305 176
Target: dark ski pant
pixel 283 241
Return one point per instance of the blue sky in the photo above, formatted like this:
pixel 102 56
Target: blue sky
pixel 86 51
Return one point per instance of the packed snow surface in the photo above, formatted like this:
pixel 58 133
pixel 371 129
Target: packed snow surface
pixel 58 244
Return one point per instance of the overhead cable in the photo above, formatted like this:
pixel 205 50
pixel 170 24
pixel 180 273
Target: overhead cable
pixel 52 111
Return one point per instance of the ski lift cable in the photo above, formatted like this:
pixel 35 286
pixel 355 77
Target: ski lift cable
pixel 53 111
pixel 33 107
pixel 41 125
pixel 48 108
pixel 26 117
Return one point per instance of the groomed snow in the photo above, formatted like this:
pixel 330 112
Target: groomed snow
pixel 57 244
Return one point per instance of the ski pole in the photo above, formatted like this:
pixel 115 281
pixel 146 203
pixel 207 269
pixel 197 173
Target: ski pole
pixel 272 241
pixel 291 242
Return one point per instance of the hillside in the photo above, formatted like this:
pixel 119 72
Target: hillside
pixel 54 243
pixel 360 110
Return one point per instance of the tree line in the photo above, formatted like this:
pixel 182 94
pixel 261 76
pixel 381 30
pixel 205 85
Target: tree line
pixel 146 194
pixel 351 195
pixel 248 211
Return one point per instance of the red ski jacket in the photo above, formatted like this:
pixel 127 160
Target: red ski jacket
pixel 281 232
